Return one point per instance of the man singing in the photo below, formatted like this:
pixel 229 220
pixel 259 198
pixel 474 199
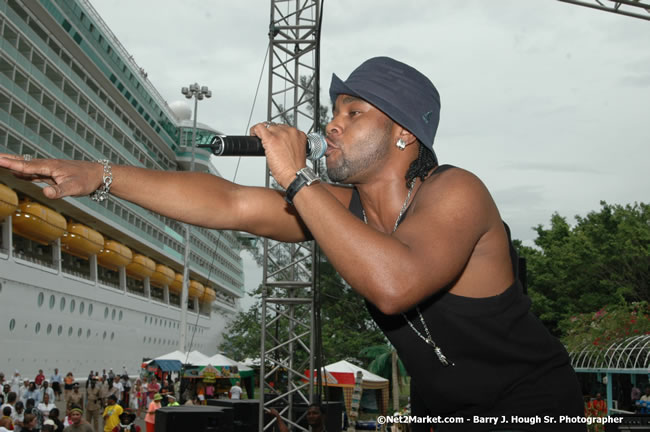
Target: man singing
pixel 424 244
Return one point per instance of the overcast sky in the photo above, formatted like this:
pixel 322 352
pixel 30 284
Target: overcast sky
pixel 547 102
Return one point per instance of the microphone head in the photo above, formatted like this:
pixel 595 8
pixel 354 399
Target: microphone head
pixel 316 145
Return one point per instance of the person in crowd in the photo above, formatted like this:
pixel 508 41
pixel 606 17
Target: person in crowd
pixel 54 416
pixel 30 408
pixel 127 423
pixel 109 389
pixel 48 426
pixel 19 416
pixel 171 400
pixel 7 420
pixel 46 405
pixel 152 388
pixel 75 397
pixel 126 393
pixel 32 393
pixel 57 381
pixel 22 390
pixel 68 382
pixel 30 423
pixel 93 403
pixel 119 388
pixel 2 379
pixel 10 402
pixel 236 391
pixel 136 396
pixel 6 389
pixel 111 374
pixel 316 418
pixel 91 376
pixel 111 413
pixel 77 423
pixel 177 386
pixel 45 388
pixel 646 395
pixel 40 377
pixel 16 382
pixel 150 418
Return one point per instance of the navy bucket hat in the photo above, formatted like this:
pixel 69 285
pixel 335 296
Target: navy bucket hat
pixel 402 93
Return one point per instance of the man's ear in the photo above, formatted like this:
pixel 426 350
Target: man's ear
pixel 407 137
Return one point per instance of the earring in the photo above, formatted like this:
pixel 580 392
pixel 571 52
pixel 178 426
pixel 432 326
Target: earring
pixel 401 144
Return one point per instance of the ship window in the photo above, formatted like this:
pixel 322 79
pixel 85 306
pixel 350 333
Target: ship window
pixel 104 335
pixel 62 303
pixel 52 301
pixel 113 315
pixel 82 306
pixel 79 332
pixel 59 330
pixel 12 324
pixel 146 319
pixel 73 305
pixel 90 309
pixel 41 299
pixel 106 313
pixel 70 330
pixel 112 335
pixel 88 333
pixel 37 328
pixel 121 315
pixel 49 328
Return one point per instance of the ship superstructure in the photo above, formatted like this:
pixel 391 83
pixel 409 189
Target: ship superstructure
pixel 85 285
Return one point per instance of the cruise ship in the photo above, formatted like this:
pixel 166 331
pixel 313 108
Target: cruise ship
pixel 86 285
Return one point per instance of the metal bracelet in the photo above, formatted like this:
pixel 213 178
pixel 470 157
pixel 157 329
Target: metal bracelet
pixel 102 191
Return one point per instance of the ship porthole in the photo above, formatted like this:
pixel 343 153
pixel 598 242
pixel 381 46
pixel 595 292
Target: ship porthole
pixel 121 315
pixel 106 313
pixel 59 330
pixel 12 324
pixel 73 304
pixel 62 303
pixel 82 306
pixel 37 328
pixel 41 299
pixel 49 328
pixel 90 309
pixel 52 301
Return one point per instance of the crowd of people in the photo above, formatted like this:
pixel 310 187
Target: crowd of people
pixel 109 401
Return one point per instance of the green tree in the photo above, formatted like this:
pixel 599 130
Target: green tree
pixel 603 260
pixel 598 330
pixel 386 364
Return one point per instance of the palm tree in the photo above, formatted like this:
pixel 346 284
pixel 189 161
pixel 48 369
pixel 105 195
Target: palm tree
pixel 386 364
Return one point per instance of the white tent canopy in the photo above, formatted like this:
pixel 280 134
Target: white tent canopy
pixel 195 358
pixel 221 360
pixel 344 366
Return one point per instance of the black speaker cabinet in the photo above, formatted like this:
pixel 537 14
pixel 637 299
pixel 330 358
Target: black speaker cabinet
pixel 245 412
pixel 194 418
pixel 629 423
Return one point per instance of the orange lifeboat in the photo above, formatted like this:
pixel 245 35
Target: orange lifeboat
pixel 8 201
pixel 114 255
pixel 176 286
pixel 38 223
pixel 141 267
pixel 196 290
pixel 162 275
pixel 81 241
pixel 209 296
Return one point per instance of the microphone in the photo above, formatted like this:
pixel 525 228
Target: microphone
pixel 232 145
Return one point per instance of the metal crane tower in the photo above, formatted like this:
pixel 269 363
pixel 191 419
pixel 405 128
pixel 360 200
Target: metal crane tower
pixel 632 8
pixel 289 317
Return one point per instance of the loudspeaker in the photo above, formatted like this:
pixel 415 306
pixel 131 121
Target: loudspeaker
pixel 194 418
pixel 629 423
pixel 245 412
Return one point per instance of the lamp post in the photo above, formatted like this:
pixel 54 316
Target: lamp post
pixel 198 93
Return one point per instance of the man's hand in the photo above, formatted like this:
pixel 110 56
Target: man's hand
pixel 285 148
pixel 64 177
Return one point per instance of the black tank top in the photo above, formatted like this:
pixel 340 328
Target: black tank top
pixel 505 361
